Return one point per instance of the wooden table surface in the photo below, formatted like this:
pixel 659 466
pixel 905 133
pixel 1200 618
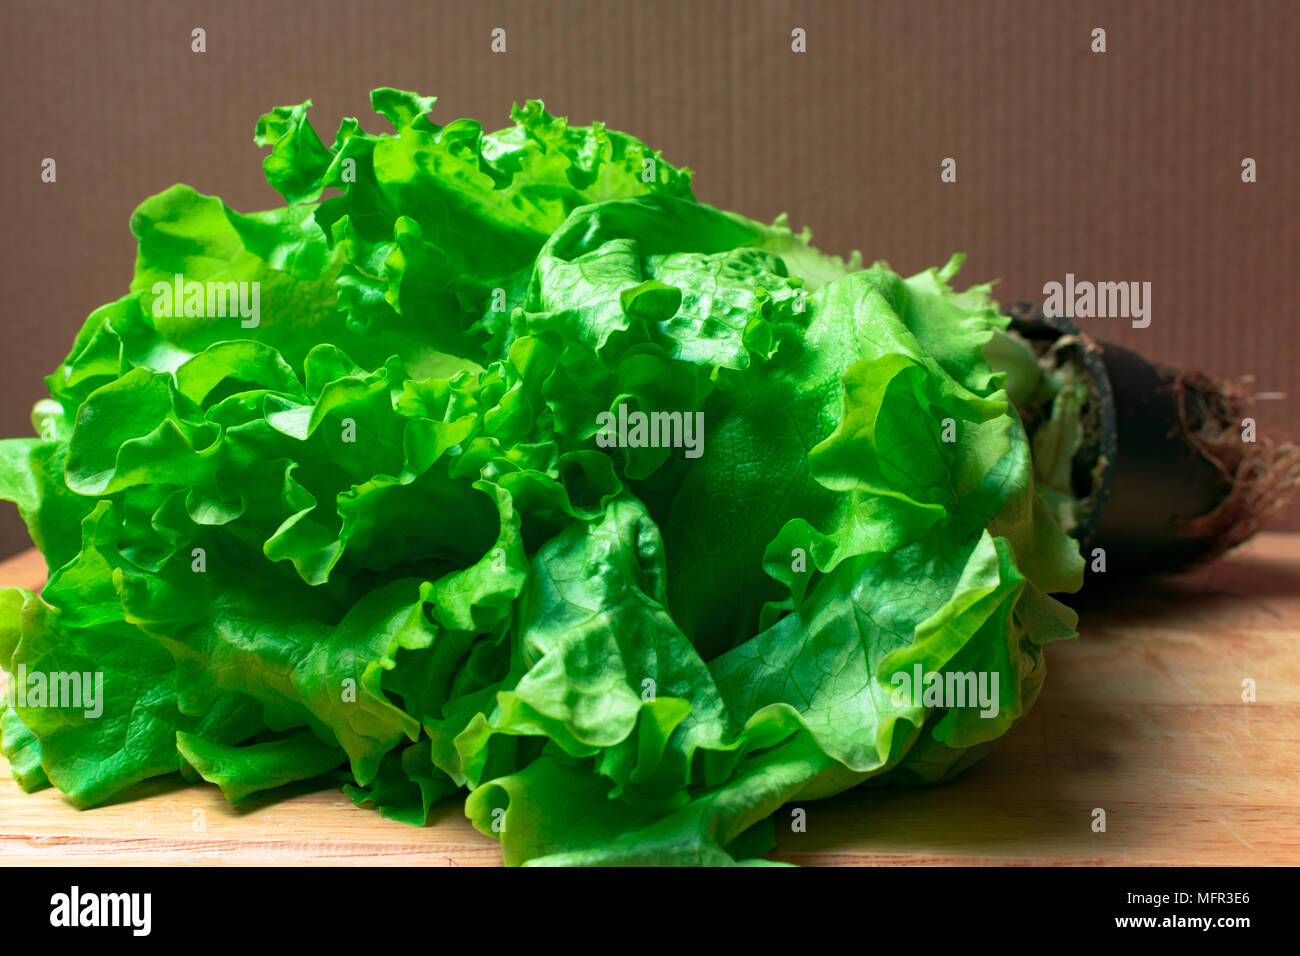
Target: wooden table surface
pixel 1142 716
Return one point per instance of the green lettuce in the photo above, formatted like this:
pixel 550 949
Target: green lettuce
pixel 377 527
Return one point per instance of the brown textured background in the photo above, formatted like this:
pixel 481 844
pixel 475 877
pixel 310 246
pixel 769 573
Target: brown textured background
pixel 1122 166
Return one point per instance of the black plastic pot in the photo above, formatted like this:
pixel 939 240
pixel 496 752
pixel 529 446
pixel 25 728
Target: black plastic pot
pixel 1146 476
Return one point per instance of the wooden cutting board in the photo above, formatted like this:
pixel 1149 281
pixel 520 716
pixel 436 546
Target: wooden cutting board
pixel 1142 717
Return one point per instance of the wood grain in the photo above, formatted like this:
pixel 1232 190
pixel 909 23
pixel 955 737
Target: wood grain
pixel 1142 717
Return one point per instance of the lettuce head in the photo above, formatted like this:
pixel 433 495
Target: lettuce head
pixel 495 467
